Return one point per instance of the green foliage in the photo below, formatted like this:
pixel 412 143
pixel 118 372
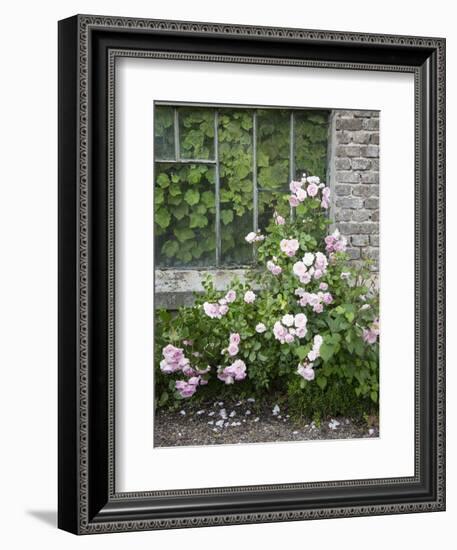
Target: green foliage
pixel 185 194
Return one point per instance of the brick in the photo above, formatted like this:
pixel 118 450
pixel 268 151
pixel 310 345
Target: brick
pixel 365 190
pixel 361 164
pixel 374 240
pixel 361 137
pixel 359 240
pixel 365 114
pixel 372 151
pixel 343 137
pixel 374 138
pixel 371 124
pixel 375 216
pixel 343 190
pixel 361 215
pixel 371 203
pixel 375 164
pixel 348 177
pixel 353 253
pixel 370 253
pixel 349 202
pixel 349 150
pixel 342 164
pixel 354 228
pixel 370 177
pixel 349 124
pixel 343 215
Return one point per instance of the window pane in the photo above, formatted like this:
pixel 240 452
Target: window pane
pixel 164 142
pixel 196 128
pixel 268 202
pixel 236 188
pixel 184 203
pixel 311 137
pixel 273 135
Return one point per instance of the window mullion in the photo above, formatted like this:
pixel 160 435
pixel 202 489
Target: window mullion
pixel 217 190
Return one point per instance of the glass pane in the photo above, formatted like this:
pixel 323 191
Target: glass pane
pixel 236 188
pixel 196 128
pixel 184 206
pixel 273 135
pixel 164 142
pixel 311 137
pixel 268 202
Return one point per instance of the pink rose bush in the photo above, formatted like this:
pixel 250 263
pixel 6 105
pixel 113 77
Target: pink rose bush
pixel 300 305
pixel 290 327
pixel 233 373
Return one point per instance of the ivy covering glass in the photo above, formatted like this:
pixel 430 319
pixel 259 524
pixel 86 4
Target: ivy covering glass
pixel 219 173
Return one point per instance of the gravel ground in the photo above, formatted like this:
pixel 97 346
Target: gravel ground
pixel 242 422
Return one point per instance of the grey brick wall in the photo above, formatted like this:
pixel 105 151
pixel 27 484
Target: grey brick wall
pixel 353 175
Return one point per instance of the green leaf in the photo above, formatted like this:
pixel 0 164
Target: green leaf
pixel 208 198
pixel 180 210
pixel 183 234
pixel 158 196
pixel 197 220
pixel 192 197
pixel 327 351
pixel 163 180
pixel 194 176
pixel 301 352
pixel 226 216
pixel 174 190
pixel 170 248
pixel 321 381
pixel 162 218
pixel 262 159
pixel 374 396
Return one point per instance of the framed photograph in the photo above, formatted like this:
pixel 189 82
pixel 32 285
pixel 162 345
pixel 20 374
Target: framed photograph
pixel 251 274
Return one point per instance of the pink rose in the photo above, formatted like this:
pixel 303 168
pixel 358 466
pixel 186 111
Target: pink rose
pixel 279 220
pixel 306 371
pixel 230 296
pixel 249 297
pixel 369 336
pixel 312 355
pixel 301 195
pixel 235 338
pixel 312 189
pixel 260 327
pixel 323 286
pixel 327 298
pixel 212 310
pixel 300 320
pixel 187 389
pixel 288 320
pixel 293 201
pixel 233 349
pixel 289 246
pixel 223 310
pixel 299 268
pixel 295 186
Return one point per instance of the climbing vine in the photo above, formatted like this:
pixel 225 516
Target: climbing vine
pixel 185 196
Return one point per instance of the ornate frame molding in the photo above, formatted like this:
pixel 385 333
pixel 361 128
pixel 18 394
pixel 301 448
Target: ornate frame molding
pixel 80 512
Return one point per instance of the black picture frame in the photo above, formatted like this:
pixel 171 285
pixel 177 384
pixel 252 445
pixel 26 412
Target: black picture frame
pixel 88 502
